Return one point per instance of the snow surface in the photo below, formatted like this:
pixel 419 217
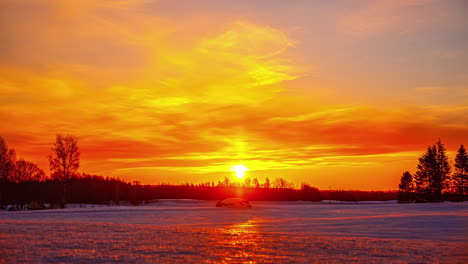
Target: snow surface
pixel 172 231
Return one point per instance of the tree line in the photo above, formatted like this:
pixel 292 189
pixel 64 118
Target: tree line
pixel 24 185
pixel 277 183
pixel 21 176
pixel 23 182
pixel 435 180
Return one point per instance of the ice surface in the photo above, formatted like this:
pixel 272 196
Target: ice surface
pixel 197 231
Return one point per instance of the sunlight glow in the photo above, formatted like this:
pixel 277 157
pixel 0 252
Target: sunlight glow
pixel 240 170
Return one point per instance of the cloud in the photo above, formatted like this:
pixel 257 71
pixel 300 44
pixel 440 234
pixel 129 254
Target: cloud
pixel 397 16
pixel 130 88
pixel 431 89
pixel 368 127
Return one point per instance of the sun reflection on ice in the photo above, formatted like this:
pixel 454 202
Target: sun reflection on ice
pixel 243 238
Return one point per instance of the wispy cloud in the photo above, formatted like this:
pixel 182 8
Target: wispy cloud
pixel 396 16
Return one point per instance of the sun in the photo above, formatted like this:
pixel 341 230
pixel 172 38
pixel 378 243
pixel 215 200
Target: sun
pixel 240 170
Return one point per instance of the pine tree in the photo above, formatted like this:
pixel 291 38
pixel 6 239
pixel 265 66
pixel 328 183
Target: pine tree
pixel 425 169
pixel 406 187
pixel 441 178
pixel 460 178
pixel 432 174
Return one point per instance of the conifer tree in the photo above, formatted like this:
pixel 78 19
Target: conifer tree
pixel 460 177
pixel 406 187
pixel 425 169
pixel 432 175
pixel 440 180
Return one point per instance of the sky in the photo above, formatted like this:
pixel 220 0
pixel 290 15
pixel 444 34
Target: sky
pixel 339 94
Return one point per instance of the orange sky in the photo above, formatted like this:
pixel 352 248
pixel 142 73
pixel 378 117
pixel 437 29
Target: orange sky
pixel 344 94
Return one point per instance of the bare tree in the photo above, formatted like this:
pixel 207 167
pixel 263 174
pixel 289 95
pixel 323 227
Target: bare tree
pixel 7 161
pixel 281 183
pixel 256 183
pixel 7 165
pixel 226 182
pixel 247 182
pixel 267 183
pixel 65 158
pixel 27 171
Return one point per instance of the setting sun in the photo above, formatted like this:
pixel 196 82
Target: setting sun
pixel 240 170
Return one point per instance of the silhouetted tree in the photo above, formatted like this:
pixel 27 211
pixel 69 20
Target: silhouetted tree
pixel 26 171
pixel 267 183
pixel 426 168
pixel 7 161
pixel 256 183
pixel 406 187
pixel 65 158
pixel 247 182
pixel 460 177
pixel 7 165
pixel 64 161
pixel 281 183
pixel 432 175
pixel 226 182
pixel 441 179
pixel 310 193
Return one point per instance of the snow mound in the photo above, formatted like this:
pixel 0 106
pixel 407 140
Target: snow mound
pixel 234 203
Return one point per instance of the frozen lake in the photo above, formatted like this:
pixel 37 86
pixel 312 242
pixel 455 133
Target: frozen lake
pixel 186 231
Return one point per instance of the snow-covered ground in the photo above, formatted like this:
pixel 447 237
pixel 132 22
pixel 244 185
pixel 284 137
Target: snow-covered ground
pixel 196 231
